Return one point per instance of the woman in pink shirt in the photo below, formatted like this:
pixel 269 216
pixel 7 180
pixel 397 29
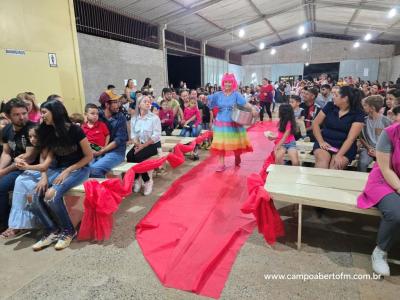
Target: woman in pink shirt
pixel 33 108
pixel 382 191
pixel 285 140
pixel 191 119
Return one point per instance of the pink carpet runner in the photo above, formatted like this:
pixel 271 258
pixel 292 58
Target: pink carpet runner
pixel 194 232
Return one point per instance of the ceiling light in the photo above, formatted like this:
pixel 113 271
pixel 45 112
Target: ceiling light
pixel 367 37
pixel 273 51
pixel 301 30
pixel 356 45
pixel 307 64
pixel 241 33
pixel 304 46
pixel 262 46
pixel 392 13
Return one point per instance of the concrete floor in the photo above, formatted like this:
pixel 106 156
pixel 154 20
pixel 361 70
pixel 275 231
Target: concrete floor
pixel 337 242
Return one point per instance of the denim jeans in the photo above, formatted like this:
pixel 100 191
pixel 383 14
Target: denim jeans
pixel 192 131
pixel 101 165
pixel 52 213
pixel 6 185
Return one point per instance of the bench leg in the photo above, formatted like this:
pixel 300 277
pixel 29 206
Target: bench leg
pixel 299 223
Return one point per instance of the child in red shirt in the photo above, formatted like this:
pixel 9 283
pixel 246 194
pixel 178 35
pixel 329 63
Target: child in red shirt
pixel 96 131
pixel 166 115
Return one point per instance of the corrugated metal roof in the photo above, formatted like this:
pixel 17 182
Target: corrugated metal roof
pixel 268 21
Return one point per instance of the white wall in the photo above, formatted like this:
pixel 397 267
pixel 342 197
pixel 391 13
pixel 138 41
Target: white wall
pixel 214 69
pixel 106 61
pixel 238 71
pixel 366 69
pixel 395 68
pixel 290 58
pixel 321 51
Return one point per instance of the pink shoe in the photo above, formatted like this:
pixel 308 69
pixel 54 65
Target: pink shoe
pixel 220 168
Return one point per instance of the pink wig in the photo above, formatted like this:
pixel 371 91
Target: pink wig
pixel 229 77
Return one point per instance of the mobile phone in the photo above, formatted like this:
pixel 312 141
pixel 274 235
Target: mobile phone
pixel 333 149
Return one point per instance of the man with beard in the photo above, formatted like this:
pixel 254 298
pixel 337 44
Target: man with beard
pixel 16 148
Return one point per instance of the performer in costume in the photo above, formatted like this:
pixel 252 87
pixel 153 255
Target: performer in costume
pixel 229 137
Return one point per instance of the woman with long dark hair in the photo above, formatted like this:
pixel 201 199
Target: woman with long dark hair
pixel 72 154
pixel 342 121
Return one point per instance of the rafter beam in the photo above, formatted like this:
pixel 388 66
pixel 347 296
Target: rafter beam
pixel 254 21
pixel 172 17
pixel 233 45
pixel 309 10
pixel 353 6
pixel 389 29
pixel 354 16
pixel 361 26
pixel 260 14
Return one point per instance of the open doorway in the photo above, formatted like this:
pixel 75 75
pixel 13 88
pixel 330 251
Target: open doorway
pixel 315 70
pixel 185 68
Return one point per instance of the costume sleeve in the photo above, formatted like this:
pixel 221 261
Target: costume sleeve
pixel 212 100
pixel 240 99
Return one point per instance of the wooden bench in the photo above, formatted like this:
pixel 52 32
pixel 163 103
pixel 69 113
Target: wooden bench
pixel 177 132
pixel 332 189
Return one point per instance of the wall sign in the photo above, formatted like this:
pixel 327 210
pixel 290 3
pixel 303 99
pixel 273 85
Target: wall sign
pixel 15 52
pixel 53 60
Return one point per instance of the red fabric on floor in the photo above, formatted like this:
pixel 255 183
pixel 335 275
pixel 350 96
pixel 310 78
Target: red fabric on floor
pixel 103 199
pixel 195 230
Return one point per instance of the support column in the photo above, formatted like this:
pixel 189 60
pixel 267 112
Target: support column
pixel 202 61
pixel 227 55
pixel 161 34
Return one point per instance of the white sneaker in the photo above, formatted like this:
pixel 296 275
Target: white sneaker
pixel 148 187
pixel 45 241
pixel 137 185
pixel 379 262
pixel 65 240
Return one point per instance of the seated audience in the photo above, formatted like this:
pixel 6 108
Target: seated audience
pixel 145 137
pixel 3 122
pixel 286 143
pixel 16 148
pixel 77 119
pixel 324 96
pixel 191 120
pixel 33 108
pixel 382 191
pixel 72 155
pixel 96 131
pixel 342 121
pixel 114 153
pixel 311 110
pixel 374 125
pixel 392 101
pixel 301 131
pixel 167 118
pixel 21 217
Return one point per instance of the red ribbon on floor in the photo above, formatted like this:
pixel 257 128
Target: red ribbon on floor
pixel 261 205
pixel 102 199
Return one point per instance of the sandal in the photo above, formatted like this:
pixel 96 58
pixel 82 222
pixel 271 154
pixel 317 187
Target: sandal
pixel 12 233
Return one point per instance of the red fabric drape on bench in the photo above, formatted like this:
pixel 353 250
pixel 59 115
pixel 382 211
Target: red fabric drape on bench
pixel 102 199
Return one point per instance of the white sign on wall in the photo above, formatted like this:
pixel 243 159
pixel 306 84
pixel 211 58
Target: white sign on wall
pixel 366 71
pixel 53 60
pixel 15 52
